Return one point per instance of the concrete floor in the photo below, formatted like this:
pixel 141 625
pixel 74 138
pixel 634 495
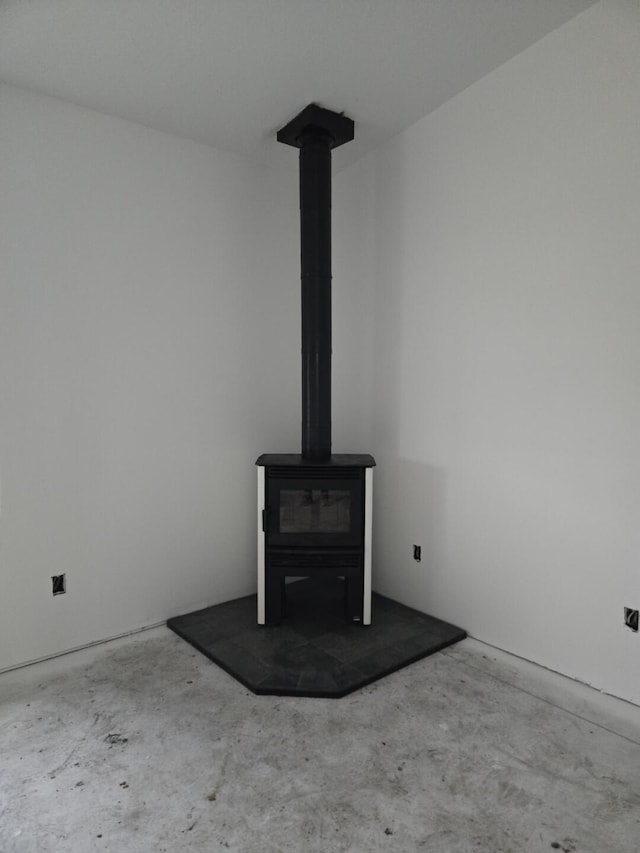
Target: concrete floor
pixel 145 745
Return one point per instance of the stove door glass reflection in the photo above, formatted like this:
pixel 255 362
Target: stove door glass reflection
pixel 315 511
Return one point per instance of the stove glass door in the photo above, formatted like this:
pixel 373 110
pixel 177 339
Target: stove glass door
pixel 314 513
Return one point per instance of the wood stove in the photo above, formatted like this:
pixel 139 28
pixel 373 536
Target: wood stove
pixel 314 509
pixel 314 520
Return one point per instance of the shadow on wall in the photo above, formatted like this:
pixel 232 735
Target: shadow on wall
pixel 410 508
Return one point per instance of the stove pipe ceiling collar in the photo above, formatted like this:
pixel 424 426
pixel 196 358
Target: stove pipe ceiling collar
pixel 316 131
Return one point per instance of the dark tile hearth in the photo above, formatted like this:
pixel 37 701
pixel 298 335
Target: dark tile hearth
pixel 314 652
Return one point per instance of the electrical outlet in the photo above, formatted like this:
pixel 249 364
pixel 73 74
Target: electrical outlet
pixel 631 618
pixel 58 584
pixel 417 553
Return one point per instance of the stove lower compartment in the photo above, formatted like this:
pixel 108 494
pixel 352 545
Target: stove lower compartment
pixel 314 521
pixel 280 565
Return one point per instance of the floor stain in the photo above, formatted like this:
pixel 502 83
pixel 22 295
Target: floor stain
pixel 116 739
pixel 567 846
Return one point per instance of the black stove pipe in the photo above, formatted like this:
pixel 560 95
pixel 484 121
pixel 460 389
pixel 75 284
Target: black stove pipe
pixel 315 131
pixel 315 263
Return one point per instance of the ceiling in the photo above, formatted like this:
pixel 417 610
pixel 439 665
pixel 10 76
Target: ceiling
pixel 229 73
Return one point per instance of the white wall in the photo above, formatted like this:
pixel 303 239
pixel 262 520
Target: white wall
pixel 149 352
pixel 133 327
pixel 507 351
pixel 353 268
pixel 127 422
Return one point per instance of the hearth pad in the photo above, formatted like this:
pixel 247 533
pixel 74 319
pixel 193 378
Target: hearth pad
pixel 314 652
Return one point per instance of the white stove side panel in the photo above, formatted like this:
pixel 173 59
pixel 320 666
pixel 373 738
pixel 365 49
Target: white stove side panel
pixel 261 583
pixel 368 536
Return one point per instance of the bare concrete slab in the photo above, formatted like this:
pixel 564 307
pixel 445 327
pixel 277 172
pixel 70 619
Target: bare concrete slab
pixel 143 745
